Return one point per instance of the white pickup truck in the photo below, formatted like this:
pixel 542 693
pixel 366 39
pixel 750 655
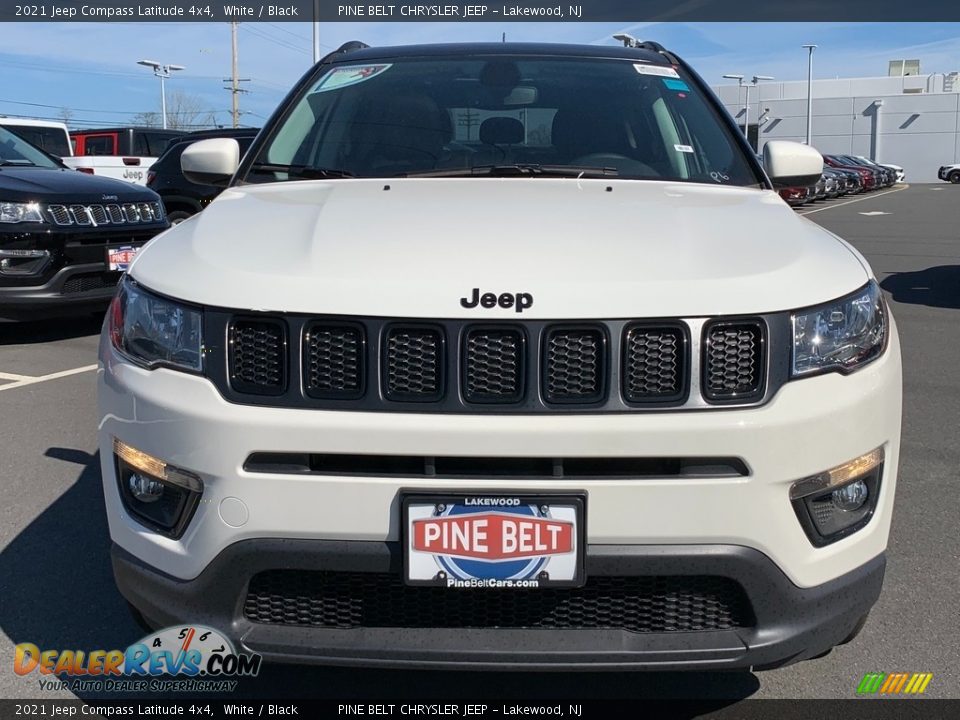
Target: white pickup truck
pixel 123 153
pixel 48 135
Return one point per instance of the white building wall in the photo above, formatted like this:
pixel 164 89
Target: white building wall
pixel 917 130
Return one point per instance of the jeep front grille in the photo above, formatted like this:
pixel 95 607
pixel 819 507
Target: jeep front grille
pixel 370 364
pixel 258 356
pixel 574 365
pixel 414 364
pixel 654 363
pixel 99 215
pixel 732 361
pixel 333 357
pixel 493 365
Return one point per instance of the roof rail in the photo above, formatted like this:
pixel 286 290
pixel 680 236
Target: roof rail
pixel 651 45
pixel 347 47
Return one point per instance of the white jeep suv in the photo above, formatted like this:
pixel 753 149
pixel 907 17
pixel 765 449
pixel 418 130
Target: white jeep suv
pixel 502 356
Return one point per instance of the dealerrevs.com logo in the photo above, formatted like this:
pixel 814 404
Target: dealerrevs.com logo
pixel 189 658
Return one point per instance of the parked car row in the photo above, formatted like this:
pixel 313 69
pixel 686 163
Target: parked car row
pixel 843 175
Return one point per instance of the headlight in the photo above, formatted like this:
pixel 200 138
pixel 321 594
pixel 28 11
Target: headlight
pixel 153 331
pixel 11 212
pixel 841 335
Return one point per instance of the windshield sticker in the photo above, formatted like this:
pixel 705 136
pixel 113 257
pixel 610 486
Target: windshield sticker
pixel 683 148
pixel 341 77
pixel 678 85
pixel 658 70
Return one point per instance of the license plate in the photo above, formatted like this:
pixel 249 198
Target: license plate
pixel 119 258
pixel 490 541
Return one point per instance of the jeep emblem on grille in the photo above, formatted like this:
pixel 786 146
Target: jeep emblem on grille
pixel 108 198
pixel 520 301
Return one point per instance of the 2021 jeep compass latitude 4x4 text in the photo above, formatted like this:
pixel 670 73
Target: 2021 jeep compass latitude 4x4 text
pixel 473 364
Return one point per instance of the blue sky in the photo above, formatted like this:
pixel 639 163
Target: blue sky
pixel 91 68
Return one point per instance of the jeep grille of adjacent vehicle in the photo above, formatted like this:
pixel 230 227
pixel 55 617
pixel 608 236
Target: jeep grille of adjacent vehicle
pixel 462 366
pixel 98 215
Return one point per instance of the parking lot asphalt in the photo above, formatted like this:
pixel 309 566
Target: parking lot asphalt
pixel 57 590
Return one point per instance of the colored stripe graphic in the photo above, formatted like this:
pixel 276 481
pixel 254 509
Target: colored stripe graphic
pixel 870 683
pixel 894 683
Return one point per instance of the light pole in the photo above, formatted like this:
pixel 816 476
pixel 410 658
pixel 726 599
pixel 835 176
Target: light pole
pixel 746 107
pixel 162 71
pixel 756 82
pixel 810 49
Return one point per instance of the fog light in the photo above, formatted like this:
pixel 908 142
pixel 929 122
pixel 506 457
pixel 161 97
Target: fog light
pixel 850 497
pixel 156 494
pixel 145 489
pixel 839 501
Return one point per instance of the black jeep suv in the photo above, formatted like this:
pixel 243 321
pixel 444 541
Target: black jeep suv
pixel 181 197
pixel 65 237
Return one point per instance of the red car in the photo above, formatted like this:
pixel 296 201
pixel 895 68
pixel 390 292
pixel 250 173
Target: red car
pixel 794 195
pixel 867 176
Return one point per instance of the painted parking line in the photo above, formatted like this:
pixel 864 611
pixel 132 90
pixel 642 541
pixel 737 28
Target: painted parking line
pixel 850 202
pixel 23 380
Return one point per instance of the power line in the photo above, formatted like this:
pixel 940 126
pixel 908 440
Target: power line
pixel 257 32
pixel 89 110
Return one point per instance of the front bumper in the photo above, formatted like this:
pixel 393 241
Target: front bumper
pixel 788 623
pixel 809 426
pixel 73 289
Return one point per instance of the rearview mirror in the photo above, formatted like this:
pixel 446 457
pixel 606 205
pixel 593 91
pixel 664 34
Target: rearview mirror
pixel 211 162
pixel 792 164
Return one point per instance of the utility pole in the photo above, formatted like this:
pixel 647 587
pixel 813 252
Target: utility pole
pixel 316 31
pixel 234 78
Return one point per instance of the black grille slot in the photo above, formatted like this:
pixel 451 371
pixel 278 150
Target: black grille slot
pixel 90 281
pixel 357 600
pixel 733 361
pixel 333 361
pixel 413 364
pixel 574 362
pixel 654 364
pixel 493 366
pixel 258 356
pixel 486 467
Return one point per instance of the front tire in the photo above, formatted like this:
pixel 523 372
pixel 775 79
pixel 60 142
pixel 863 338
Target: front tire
pixel 178 216
pixel 954 177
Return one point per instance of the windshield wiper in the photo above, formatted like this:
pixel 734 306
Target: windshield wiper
pixel 17 163
pixel 303 171
pixel 519 170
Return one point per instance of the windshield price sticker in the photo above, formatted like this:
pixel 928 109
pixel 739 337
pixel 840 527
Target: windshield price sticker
pixel 658 70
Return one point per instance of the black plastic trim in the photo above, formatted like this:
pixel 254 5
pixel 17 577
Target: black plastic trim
pixel 252 388
pixel 675 399
pixel 479 398
pixel 791 623
pixel 217 320
pixel 442 369
pixel 362 369
pixel 603 364
pixel 734 398
pixel 872 480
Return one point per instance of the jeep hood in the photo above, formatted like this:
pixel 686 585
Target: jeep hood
pixel 581 248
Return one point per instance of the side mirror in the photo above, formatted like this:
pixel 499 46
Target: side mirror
pixel 211 162
pixel 792 164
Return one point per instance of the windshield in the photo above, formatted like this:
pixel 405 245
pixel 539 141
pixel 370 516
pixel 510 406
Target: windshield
pixel 524 116
pixel 14 150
